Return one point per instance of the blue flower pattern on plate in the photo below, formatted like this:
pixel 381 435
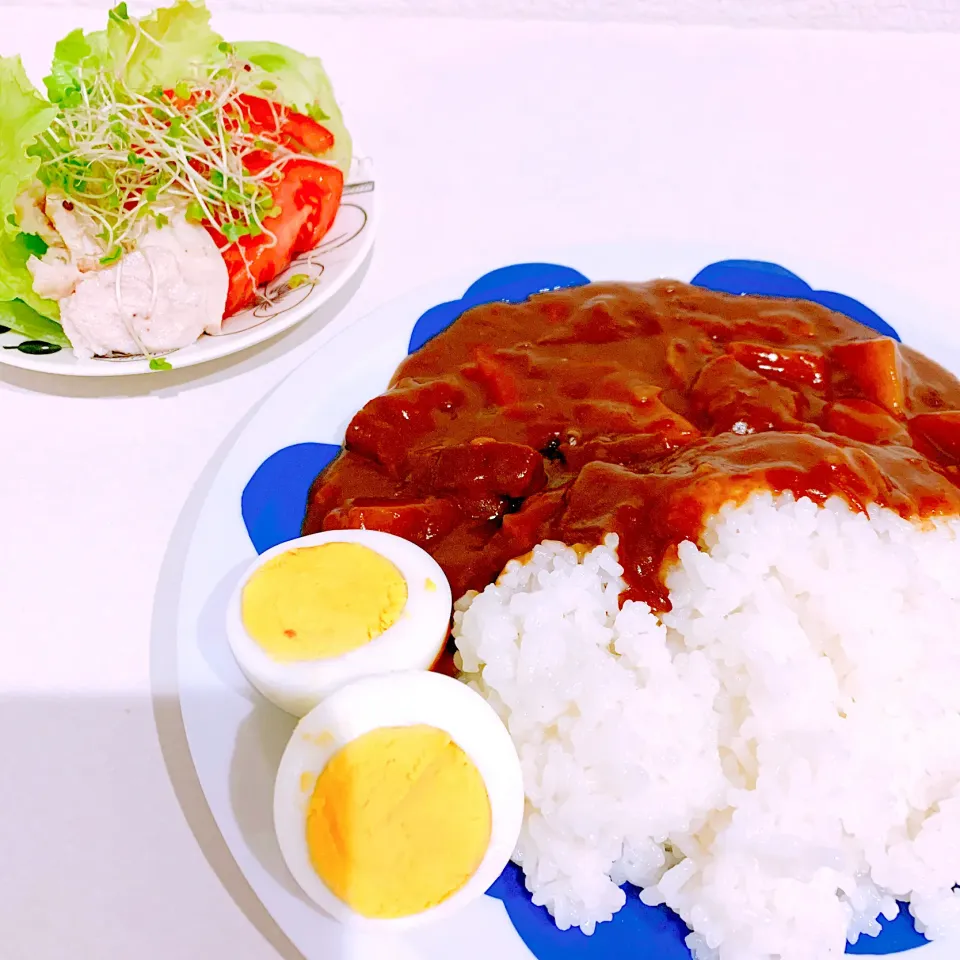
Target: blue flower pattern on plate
pixel 275 497
pixel 273 505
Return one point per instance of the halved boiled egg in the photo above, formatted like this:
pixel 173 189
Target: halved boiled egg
pixel 315 613
pixel 398 800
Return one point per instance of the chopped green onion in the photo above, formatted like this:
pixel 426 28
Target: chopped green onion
pixel 234 230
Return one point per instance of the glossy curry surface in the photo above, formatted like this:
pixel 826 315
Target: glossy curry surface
pixel 638 409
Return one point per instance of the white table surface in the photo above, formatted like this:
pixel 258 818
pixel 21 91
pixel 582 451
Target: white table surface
pixel 490 138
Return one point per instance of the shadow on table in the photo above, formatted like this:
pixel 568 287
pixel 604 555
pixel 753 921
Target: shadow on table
pixel 169 721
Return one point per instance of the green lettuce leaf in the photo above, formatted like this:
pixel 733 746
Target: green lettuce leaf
pixel 302 84
pixel 24 320
pixel 24 115
pixel 173 43
pixel 16 281
pixel 75 53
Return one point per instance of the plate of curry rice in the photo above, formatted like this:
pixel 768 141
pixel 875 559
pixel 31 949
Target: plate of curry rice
pixel 699 515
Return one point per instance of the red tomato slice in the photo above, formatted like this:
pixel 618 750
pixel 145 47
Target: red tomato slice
pixel 282 125
pixel 308 195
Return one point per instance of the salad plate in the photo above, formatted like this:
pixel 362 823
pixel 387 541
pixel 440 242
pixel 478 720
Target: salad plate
pixel 169 197
pixel 256 500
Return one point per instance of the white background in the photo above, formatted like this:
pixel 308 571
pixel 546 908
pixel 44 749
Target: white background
pixel 490 137
pixel 843 14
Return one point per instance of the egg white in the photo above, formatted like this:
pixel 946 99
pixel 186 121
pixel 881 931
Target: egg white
pixel 413 642
pixel 391 701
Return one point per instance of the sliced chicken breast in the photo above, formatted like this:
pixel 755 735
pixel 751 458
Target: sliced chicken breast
pixel 162 296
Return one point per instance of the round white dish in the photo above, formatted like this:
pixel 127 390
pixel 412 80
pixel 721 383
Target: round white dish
pixel 236 738
pixel 325 269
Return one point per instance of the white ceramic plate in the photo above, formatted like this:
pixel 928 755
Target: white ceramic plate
pixel 326 269
pixel 236 738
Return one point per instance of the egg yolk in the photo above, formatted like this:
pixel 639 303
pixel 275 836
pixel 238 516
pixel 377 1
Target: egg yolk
pixel 399 820
pixel 318 602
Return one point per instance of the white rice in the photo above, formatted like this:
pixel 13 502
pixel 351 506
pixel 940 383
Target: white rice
pixel 777 759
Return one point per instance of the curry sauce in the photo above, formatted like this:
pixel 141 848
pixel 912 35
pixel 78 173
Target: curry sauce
pixel 638 409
